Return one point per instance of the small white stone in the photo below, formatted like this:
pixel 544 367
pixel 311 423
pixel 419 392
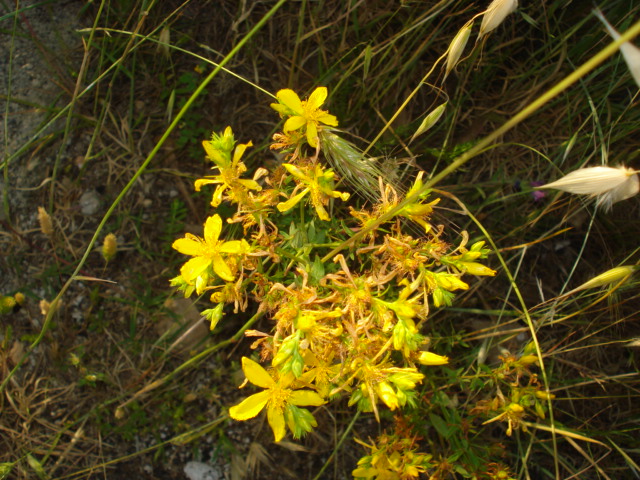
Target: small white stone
pixel 202 471
pixel 89 202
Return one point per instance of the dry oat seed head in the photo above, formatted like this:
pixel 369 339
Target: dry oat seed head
pixel 430 120
pixel 457 47
pixel 607 278
pixel 610 185
pixel 630 52
pixel 164 39
pixel 46 225
pixel 495 14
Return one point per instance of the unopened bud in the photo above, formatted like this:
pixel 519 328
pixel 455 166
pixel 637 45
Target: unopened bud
pixel 544 395
pixel 528 359
pixel 430 358
pixel 515 408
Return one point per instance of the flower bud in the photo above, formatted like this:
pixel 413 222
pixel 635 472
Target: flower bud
pixel 544 395
pixel 430 358
pixel 515 408
pixel 528 359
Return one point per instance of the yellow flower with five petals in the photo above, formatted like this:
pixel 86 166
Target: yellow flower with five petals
pixel 316 182
pixel 304 113
pixel 277 397
pixel 208 252
pixel 230 171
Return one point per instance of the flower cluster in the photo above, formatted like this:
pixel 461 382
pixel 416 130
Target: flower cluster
pixel 344 322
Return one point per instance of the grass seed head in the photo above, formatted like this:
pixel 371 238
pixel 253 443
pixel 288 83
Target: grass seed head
pixel 46 225
pixel 457 47
pixel 630 52
pixel 610 185
pixel 109 247
pixel 607 278
pixel 496 13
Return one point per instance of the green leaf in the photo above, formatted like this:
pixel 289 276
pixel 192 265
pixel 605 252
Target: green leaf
pixel 439 424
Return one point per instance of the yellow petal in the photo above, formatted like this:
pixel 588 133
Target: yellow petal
pixel 290 99
pixel 212 229
pixel 296 172
pixel 305 398
pixel 328 119
pixel 317 98
pixel 194 267
pixel 289 204
pixel 294 123
pixel 365 472
pixel 276 421
pixel 221 268
pixel 234 246
pixel 205 181
pixel 237 155
pixel 312 134
pixel 281 109
pixel 216 199
pixel 256 374
pixel 387 395
pixel 250 406
pixel 250 184
pixel 189 246
pixel 322 212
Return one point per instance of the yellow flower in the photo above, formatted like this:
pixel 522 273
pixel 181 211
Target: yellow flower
pixel 304 113
pixel 229 178
pixel 208 251
pixel 318 183
pixel 277 398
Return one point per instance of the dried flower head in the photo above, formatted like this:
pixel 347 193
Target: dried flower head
pixel 495 15
pixel 609 184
